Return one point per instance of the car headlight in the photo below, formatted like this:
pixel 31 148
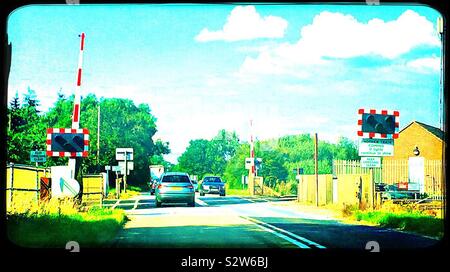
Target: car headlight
pixel 205 187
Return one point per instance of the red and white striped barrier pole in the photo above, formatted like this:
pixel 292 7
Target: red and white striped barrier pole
pixel 77 101
pixel 252 149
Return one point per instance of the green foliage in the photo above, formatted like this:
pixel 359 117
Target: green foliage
pixel 122 124
pixel 208 156
pixel 280 157
pixel 408 221
pixel 95 228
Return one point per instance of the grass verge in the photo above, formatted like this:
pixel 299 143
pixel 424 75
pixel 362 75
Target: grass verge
pixel 95 228
pixel 237 192
pixel 131 192
pixel 406 221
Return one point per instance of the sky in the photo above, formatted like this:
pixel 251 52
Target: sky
pixel 291 69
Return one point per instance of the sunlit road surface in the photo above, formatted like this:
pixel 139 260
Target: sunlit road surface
pixel 245 222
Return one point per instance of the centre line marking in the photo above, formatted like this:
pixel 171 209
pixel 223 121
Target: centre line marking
pixel 277 231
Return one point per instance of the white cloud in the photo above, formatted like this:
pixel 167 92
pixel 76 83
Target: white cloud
pixel 244 23
pixel 426 64
pixel 337 35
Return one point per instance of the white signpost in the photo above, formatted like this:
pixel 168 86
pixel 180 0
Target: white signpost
pixel 416 174
pixel 124 156
pixel 120 154
pixel 370 162
pixel 130 165
pixel 376 147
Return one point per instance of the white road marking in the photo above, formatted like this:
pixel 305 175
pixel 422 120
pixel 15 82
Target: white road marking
pixel 201 202
pixel 260 223
pixel 135 204
pixel 282 236
pixel 115 205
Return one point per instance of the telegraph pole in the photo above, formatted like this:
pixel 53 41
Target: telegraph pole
pixel 316 167
pixel 98 135
pixel 440 30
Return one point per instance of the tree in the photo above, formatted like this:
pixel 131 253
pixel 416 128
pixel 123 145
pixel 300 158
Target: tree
pixel 209 156
pixel 123 124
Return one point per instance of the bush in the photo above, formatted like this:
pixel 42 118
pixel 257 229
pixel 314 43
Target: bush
pixel 348 209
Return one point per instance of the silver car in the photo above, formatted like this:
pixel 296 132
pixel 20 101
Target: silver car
pixel 175 187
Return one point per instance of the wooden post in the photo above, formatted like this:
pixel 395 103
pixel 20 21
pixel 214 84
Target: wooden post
pixel 126 172
pixel 98 135
pixel 37 184
pixel 373 187
pixel 11 188
pixel 316 167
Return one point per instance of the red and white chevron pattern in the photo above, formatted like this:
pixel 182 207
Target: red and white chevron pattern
pixel 51 153
pixel 378 135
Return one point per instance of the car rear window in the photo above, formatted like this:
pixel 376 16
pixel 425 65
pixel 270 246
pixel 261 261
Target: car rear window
pixel 176 178
pixel 212 179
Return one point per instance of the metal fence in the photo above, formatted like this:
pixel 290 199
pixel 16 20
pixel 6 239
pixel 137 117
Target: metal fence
pixel 27 186
pixel 23 186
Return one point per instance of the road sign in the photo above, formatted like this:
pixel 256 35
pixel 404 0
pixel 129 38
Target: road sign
pixel 120 154
pixel 370 162
pixel 130 165
pixel 380 187
pixel 378 124
pixel 62 183
pixel 67 142
pixel 376 147
pixel 116 168
pixel 249 162
pixel 38 156
pixel 258 162
pixel 108 167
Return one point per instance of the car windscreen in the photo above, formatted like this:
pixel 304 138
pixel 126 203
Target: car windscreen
pixel 176 178
pixel 211 179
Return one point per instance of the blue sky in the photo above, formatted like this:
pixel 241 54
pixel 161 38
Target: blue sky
pixel 291 68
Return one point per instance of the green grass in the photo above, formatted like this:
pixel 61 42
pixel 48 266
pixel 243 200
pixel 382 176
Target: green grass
pixel 94 228
pixel 407 221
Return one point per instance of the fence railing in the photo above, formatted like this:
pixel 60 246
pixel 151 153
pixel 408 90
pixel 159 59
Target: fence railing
pixel 28 185
pixel 396 171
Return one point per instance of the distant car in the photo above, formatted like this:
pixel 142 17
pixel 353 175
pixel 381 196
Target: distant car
pixel 392 192
pixel 212 185
pixel 175 187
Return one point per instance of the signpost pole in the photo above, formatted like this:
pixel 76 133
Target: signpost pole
pixel 126 172
pixel 316 167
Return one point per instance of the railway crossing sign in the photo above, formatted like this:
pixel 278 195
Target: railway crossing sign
pixel 376 147
pixel 378 124
pixel 67 142
pixel 38 156
pixel 370 162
